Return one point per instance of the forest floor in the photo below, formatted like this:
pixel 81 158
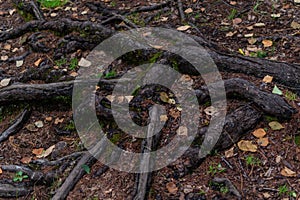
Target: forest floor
pixel 265 29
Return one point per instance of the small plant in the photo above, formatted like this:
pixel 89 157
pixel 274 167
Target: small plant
pixel 255 8
pixel 19 176
pixel 70 126
pixel 261 54
pixel 232 14
pixel 252 161
pixel 73 63
pixel 113 4
pixel 61 62
pixel 86 168
pixel 291 96
pixel 215 168
pixel 110 74
pixel 224 189
pixel 283 189
pixel 52 3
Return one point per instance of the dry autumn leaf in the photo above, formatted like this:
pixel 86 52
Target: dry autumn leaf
pixel 259 133
pixel 275 126
pixel 46 153
pixel 58 121
pixel 48 119
pixel 295 25
pixel 267 43
pixel 252 41
pixel 38 151
pixel 188 11
pixel 287 172
pixel 1 171
pixel 171 187
pixel 164 97
pixel 229 153
pixel 38 62
pixel 268 79
pixel 182 130
pixel 246 145
pixel 26 160
pixel 183 28
pixel 5 82
pixel 163 118
pixel 263 142
pixel 237 21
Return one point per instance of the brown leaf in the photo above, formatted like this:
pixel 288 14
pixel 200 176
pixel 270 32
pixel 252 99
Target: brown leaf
pixel 47 152
pixel 263 142
pixel 229 153
pixel 288 172
pixel 163 118
pixel 295 25
pixel 58 121
pixel 26 160
pixel 38 151
pixel 268 79
pixel 189 10
pixel 171 187
pixel 259 133
pixel 38 62
pixel 182 131
pixel 237 21
pixel 48 119
pixel 1 171
pixel 246 145
pixel 183 28
pixel 252 41
pixel 267 43
pixel 164 97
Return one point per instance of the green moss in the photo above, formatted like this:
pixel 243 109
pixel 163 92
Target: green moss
pixel 52 3
pixel 115 138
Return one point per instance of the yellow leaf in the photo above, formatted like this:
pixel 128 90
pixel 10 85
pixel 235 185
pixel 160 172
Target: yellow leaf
pixel 288 172
pixel 164 97
pixel 259 133
pixel 268 79
pixel 241 52
pixel 267 43
pixel 246 145
pixel 275 126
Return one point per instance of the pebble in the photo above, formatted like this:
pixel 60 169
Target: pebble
pixel 19 63
pixel 84 63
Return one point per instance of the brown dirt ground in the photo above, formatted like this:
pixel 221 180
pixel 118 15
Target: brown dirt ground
pixel 211 19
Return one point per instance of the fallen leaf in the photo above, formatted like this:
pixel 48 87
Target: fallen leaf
pixel 4 58
pixel 252 41
pixel 250 28
pixel 249 35
pixel 259 133
pixel 230 34
pixel 237 21
pixel 172 101
pixel 74 74
pixel 46 153
pixel 26 160
pixel 163 118
pixel 39 124
pixel 19 63
pixel 246 145
pixel 229 153
pixel 171 187
pixel 38 151
pixel 129 98
pixel 297 1
pixel 188 11
pixel 120 99
pixel 1 171
pixel 263 142
pixel 267 43
pixel 5 82
pixel 182 130
pixel 210 110
pixel 48 119
pixel 7 47
pixel 287 172
pixel 183 28
pixel 84 63
pixel 156 46
pixel 278 159
pixel 58 121
pixel 53 14
pixel 232 3
pixel 275 126
pixel 174 113
pixel 164 19
pixel 11 11
pixel 276 15
pixel 241 52
pixel 295 25
pixel 84 12
pixel 31 128
pixel 259 25
pixel 164 97
pixel 276 90
pixel 38 62
pixel 110 98
pixel 267 79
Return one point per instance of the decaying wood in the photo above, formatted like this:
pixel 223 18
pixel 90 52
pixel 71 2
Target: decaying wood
pixel 13 190
pixel 16 126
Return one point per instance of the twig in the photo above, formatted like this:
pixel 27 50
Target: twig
pixel 180 8
pixel 16 126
